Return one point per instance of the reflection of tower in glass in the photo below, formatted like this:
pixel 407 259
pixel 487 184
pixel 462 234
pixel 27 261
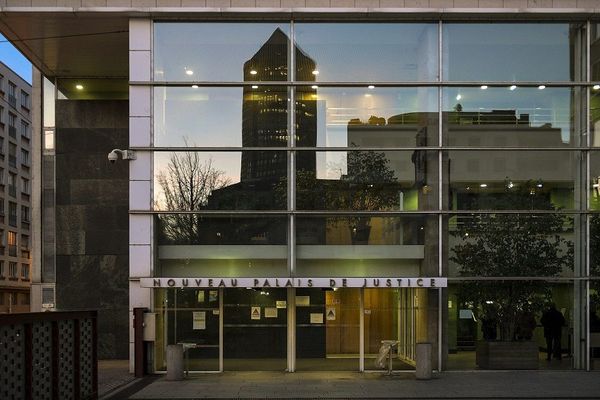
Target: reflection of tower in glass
pixel 264 110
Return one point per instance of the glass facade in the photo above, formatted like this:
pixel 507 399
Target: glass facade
pixel 311 149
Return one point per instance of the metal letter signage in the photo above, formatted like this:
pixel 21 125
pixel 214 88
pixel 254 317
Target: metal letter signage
pixel 190 283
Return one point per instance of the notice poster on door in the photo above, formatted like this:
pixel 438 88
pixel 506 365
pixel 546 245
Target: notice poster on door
pixel 213 295
pixel 316 318
pixel 199 320
pixel 330 313
pixel 270 312
pixel 255 313
pixel 302 301
pixel 281 304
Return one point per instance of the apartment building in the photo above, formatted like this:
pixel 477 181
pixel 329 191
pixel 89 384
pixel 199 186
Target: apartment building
pixel 15 192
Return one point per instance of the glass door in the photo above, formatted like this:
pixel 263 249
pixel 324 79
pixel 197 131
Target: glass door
pixel 328 329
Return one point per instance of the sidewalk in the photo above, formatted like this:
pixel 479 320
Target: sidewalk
pixel 112 374
pixel 354 385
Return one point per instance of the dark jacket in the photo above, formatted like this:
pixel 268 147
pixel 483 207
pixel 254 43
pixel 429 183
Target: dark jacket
pixel 553 321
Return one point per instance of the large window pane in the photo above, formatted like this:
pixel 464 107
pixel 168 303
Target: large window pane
pixel 498 245
pixel 225 230
pixel 366 117
pixel 344 52
pixel 245 180
pixel 220 51
pixel 514 52
pixel 365 245
pixel 512 117
pixel 250 116
pixel 501 325
pixel 221 245
pixel 520 180
pixel 366 180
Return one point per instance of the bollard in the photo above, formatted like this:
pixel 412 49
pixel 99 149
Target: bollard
pixel 423 370
pixel 175 362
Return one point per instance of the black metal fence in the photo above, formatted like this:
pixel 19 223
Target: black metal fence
pixel 51 355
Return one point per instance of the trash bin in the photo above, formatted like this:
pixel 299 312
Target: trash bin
pixel 175 362
pixel 424 367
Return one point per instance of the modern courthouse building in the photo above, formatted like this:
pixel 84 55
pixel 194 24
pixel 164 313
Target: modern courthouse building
pixel 15 192
pixel 307 178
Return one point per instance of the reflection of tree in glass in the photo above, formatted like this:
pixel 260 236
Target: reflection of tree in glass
pixel 370 185
pixel 187 183
pixel 511 245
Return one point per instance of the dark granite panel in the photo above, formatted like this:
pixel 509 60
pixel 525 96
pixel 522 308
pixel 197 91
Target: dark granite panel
pixel 92 265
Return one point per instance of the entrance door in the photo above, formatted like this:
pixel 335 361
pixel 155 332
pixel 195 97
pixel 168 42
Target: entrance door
pixel 391 314
pixel 189 317
pixel 255 329
pixel 328 329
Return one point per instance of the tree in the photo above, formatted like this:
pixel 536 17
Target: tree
pixel 187 183
pixel 511 245
pixel 370 185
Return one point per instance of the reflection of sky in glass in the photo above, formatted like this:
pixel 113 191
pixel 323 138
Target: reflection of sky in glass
pixel 548 106
pixel 370 52
pixel 212 51
pixel 506 52
pixel 203 116
pixel 336 107
pixel 227 162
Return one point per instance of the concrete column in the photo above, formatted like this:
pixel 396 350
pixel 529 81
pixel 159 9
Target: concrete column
pixel 36 191
pixel 424 358
pixel 140 169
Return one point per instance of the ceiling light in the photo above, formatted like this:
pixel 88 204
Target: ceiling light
pixel 315 72
pixel 371 87
pixel 542 87
pixel 513 87
pixel 254 87
pixel 367 94
pixel 483 87
pixel 483 185
pixel 253 72
pixel 189 72
pixel 458 97
pixel 194 86
pixel 596 87
pixel 314 87
pixel 79 87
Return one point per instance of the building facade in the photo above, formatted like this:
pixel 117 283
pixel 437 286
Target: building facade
pixel 15 201
pixel 310 182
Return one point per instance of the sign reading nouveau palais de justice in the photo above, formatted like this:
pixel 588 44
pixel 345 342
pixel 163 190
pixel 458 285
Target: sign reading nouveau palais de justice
pixel 388 282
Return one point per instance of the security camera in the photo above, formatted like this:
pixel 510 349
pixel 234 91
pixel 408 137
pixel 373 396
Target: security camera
pixel 113 156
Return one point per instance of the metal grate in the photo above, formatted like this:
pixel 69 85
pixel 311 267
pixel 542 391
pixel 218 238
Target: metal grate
pixel 12 359
pixel 65 359
pixel 41 359
pixel 86 365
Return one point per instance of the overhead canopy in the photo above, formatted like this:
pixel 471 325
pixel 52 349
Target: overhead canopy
pixel 67 44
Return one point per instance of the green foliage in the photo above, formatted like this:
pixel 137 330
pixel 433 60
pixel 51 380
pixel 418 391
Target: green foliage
pixel 511 245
